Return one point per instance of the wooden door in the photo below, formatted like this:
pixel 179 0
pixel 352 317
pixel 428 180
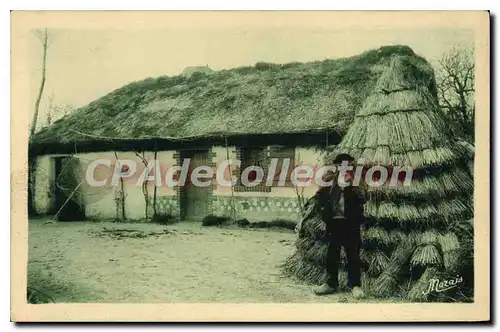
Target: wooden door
pixel 196 198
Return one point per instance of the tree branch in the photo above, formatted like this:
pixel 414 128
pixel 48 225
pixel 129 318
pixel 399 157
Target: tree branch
pixel 455 85
pixel 42 83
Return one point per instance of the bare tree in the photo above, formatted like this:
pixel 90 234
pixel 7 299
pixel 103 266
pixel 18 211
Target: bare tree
pixel 44 37
pixel 145 187
pixel 55 112
pixel 45 45
pixel 456 88
pixel 50 110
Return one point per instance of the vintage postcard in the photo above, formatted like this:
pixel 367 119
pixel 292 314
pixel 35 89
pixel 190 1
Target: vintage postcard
pixel 250 166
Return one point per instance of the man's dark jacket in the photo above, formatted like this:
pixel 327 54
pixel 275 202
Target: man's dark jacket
pixel 353 208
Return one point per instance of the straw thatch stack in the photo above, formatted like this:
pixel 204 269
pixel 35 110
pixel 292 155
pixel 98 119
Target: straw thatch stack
pixel 411 233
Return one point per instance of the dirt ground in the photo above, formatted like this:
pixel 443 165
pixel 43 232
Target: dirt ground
pixel 184 262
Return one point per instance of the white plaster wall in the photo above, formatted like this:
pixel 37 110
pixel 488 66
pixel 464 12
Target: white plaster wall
pixel 44 184
pixel 309 157
pixel 99 202
pixel 167 160
pixel 220 156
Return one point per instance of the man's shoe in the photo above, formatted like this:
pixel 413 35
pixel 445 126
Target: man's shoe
pixel 324 289
pixel 357 292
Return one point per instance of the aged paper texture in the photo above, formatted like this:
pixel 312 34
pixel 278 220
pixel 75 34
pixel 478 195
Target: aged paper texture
pixel 250 166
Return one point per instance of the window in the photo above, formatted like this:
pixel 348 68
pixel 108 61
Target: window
pixel 282 154
pixel 262 157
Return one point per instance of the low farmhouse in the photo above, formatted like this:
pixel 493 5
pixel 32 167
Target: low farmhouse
pixel 295 112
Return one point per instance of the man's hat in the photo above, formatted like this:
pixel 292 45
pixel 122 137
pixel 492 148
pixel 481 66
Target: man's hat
pixel 343 157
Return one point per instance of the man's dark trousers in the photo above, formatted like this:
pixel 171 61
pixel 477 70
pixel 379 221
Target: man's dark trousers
pixel 341 233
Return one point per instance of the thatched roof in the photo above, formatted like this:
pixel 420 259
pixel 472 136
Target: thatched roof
pixel 265 98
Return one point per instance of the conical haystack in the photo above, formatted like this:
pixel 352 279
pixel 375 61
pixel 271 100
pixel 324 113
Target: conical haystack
pixel 412 233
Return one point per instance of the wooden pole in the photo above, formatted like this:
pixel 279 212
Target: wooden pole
pixel 64 204
pixel 122 191
pixel 156 174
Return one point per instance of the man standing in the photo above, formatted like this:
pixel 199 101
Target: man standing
pixel 341 204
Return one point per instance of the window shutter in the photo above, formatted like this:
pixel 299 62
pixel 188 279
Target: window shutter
pixel 280 153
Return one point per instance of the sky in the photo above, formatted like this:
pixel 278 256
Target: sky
pixel 84 65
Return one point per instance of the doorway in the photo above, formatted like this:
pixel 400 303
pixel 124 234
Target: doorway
pixel 68 204
pixel 195 199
